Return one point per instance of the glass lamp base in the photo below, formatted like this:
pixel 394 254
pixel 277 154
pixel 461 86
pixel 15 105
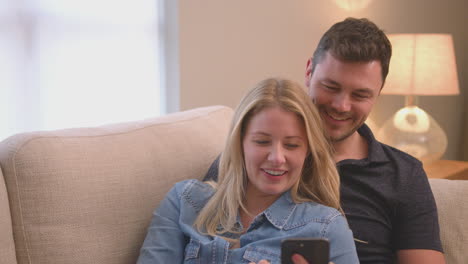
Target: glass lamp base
pixel 415 132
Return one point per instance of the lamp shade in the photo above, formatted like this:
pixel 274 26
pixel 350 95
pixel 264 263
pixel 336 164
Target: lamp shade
pixel 352 5
pixel 422 64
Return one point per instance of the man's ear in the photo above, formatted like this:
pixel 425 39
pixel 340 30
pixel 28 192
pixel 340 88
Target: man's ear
pixel 308 73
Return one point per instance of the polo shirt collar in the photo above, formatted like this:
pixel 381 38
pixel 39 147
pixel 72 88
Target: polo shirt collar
pixel 376 152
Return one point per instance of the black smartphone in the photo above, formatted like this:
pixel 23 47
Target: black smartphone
pixel 314 250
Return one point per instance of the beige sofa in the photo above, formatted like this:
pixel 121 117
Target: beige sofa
pixel 86 195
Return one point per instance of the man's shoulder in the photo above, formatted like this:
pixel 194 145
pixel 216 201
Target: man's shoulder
pixel 398 155
pixel 400 159
pixel 381 152
pixel 402 171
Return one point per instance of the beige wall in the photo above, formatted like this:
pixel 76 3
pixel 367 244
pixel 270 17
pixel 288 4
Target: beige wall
pixel 227 46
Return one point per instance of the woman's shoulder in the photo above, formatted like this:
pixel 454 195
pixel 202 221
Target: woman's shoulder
pixel 194 192
pixel 310 219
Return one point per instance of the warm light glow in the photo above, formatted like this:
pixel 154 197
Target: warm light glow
pixel 415 132
pixel 352 5
pixel 411 119
pixel 422 64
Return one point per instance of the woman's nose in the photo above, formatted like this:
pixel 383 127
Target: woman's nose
pixel 276 155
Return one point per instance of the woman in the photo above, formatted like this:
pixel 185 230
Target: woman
pixel 277 180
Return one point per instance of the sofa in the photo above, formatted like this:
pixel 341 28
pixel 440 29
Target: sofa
pixel 86 195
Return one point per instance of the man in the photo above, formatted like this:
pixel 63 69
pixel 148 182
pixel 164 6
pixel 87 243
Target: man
pixel 385 193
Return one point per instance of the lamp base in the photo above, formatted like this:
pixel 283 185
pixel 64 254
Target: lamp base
pixel 415 132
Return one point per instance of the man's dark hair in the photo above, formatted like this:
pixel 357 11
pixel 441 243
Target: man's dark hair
pixel 355 40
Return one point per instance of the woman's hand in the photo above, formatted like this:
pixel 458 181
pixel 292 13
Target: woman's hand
pixel 298 259
pixel 261 262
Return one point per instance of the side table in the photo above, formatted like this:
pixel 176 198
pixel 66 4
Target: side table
pixel 447 169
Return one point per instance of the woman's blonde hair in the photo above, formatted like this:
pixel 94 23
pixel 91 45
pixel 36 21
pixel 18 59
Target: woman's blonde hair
pixel 319 181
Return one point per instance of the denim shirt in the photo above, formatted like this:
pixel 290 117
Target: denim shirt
pixel 171 237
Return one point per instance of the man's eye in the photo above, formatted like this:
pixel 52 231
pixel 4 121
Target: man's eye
pixel 331 88
pixel 361 96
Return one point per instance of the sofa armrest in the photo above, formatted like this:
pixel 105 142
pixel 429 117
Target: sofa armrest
pixel 7 245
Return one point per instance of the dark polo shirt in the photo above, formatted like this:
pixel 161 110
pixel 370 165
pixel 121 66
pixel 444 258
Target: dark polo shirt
pixel 387 200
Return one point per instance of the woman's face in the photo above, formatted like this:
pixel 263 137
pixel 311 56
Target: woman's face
pixel 275 146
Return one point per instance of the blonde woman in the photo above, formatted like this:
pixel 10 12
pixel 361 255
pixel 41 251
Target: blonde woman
pixel 277 180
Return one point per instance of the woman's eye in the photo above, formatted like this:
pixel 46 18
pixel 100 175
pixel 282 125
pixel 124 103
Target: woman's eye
pixel 292 145
pixel 261 142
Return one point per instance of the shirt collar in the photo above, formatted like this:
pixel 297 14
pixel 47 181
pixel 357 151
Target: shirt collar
pixel 376 152
pixel 280 211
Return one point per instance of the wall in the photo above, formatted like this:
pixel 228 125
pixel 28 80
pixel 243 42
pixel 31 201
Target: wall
pixel 228 46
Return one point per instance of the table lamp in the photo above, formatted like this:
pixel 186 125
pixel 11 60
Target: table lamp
pixel 421 64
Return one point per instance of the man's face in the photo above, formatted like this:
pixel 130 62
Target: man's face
pixel 344 93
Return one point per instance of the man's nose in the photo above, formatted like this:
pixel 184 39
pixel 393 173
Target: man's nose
pixel 341 103
pixel 276 155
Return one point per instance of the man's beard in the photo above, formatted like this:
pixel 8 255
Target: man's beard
pixel 346 134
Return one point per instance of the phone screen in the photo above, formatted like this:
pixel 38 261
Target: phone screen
pixel 314 250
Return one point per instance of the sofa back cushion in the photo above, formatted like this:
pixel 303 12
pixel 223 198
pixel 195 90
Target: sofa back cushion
pixel 87 195
pixel 452 205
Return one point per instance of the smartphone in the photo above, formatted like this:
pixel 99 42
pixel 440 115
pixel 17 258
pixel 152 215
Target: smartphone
pixel 314 250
